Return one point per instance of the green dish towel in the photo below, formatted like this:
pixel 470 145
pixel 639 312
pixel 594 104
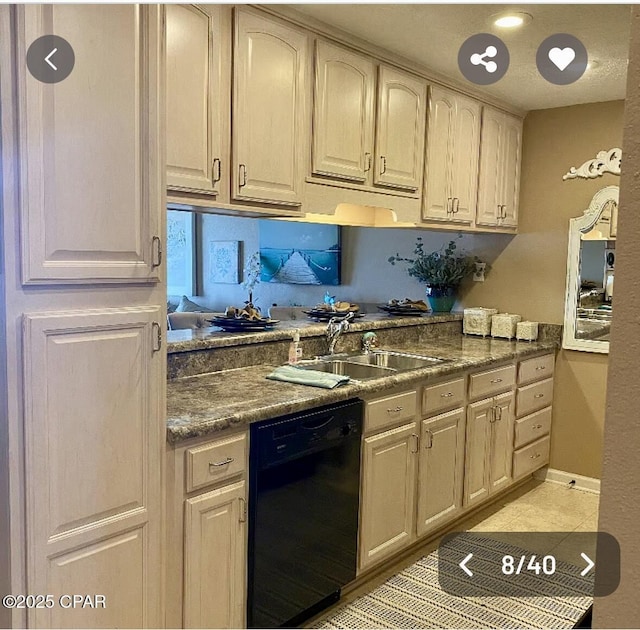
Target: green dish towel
pixel 315 378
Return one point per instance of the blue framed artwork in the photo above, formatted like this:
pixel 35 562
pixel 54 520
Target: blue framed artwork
pixel 299 253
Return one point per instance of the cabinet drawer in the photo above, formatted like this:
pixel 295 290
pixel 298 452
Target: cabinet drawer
pixel 532 427
pixel 536 368
pixel 442 396
pixel 492 381
pixel 215 461
pixel 533 397
pixel 389 410
pixel 530 458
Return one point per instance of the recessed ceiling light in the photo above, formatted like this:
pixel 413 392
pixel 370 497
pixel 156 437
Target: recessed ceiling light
pixel 511 20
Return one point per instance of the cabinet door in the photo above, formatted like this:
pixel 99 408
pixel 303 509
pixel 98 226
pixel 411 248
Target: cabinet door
pixel 478 451
pixel 269 127
pixel 440 469
pixel 402 101
pixel 464 160
pixel 511 159
pixel 501 441
pixel 437 197
pixel 343 114
pixel 92 183
pixel 94 434
pixel 490 182
pixel 194 112
pixel 388 489
pixel 215 559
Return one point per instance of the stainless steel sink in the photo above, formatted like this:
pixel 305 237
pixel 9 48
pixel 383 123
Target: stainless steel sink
pixel 375 364
pixel 399 361
pixel 356 371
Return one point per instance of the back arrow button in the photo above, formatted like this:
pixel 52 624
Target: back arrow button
pixel 40 58
pixel 48 58
pixel 463 565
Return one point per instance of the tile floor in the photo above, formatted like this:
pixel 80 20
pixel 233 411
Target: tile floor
pixel 533 507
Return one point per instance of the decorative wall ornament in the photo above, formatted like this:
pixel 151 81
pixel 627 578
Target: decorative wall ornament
pixel 604 162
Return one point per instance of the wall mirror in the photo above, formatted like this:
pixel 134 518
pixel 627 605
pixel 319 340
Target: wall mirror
pixel 590 269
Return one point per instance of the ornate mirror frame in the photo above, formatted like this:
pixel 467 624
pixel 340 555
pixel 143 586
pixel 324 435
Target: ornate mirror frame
pixel 577 227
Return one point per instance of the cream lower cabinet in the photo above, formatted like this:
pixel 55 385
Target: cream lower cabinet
pixel 387 501
pixel 441 470
pixel 207 533
pixel 214 558
pixel 489 447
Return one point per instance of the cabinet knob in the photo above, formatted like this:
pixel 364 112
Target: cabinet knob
pixel 447 395
pixel 537 426
pixel 534 456
pixel 496 380
pixel 541 367
pixel 395 409
pixel 539 396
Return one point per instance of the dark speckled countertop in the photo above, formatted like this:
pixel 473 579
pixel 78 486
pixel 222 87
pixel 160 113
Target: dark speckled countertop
pixel 205 404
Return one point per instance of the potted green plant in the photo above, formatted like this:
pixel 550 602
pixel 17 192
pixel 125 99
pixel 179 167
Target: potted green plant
pixel 442 271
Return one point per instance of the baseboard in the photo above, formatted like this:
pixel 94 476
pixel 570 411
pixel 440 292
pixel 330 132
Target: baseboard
pixel 587 484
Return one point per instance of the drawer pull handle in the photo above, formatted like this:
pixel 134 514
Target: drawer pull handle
pixel 534 456
pixel 539 396
pixel 395 410
pixel 417 442
pixel 447 395
pixel 541 367
pixel 218 464
pixel 496 380
pixel 537 426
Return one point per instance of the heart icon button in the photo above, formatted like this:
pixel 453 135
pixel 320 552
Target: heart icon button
pixel 562 57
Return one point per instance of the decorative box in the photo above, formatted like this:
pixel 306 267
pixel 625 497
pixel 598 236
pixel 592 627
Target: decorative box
pixel 477 321
pixel 504 325
pixel 527 331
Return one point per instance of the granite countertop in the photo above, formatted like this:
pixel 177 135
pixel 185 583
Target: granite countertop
pixel 205 338
pixel 205 404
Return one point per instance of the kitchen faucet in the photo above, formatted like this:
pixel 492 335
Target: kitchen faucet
pixel 335 327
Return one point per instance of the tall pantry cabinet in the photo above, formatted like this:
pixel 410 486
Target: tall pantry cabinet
pixel 83 224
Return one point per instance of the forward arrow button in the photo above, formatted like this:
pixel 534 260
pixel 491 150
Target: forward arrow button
pixel 590 564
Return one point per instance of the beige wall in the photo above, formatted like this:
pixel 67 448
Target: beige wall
pixel 528 277
pixel 619 500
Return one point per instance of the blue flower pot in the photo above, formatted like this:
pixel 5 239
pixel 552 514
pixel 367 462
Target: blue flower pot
pixel 441 298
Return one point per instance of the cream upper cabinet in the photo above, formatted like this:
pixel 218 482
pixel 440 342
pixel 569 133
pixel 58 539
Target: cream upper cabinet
pixel 388 493
pixel 92 191
pixel 451 169
pixel 214 558
pixel 269 127
pixel 440 470
pixel 194 99
pixel 400 128
pixel 343 114
pixel 499 181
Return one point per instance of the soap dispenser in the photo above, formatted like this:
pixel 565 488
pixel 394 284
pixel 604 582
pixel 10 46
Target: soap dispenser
pixel 295 351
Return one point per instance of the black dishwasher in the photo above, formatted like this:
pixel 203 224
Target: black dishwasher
pixel 303 512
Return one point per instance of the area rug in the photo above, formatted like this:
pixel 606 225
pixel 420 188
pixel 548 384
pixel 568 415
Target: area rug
pixel 413 599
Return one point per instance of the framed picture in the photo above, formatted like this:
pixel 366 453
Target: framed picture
pixel 299 253
pixel 181 252
pixel 224 262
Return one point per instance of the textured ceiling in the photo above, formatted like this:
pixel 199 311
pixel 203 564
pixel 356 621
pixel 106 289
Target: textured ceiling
pixel 432 34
